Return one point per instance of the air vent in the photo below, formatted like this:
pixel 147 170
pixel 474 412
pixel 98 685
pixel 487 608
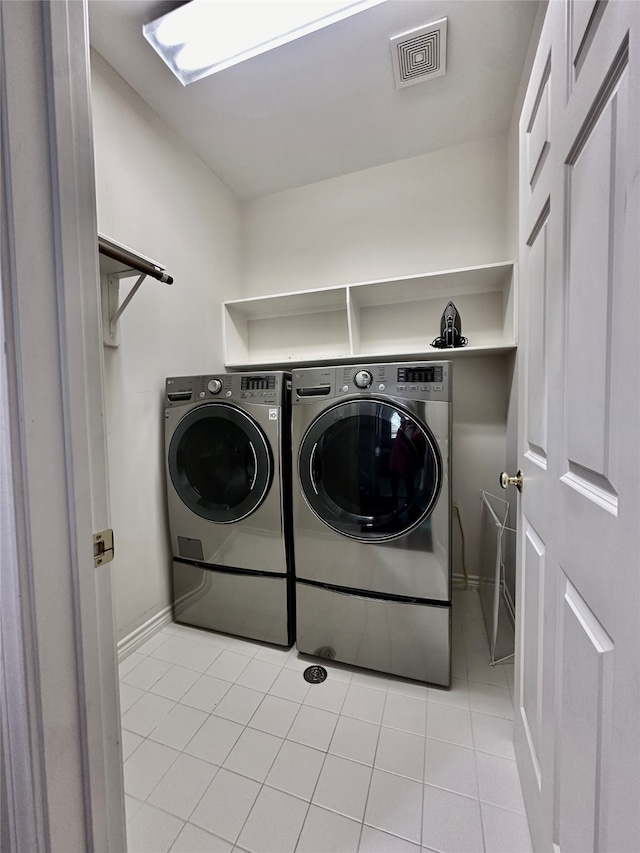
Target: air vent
pixel 420 54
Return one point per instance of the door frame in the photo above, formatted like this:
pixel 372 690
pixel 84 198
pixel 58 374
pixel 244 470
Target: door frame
pixel 62 786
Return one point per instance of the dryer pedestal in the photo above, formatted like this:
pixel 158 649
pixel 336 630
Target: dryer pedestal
pixel 246 604
pixel 402 638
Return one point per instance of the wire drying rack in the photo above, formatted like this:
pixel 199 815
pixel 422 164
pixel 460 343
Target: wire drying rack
pixel 498 542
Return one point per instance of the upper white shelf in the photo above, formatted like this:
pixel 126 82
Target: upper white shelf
pixel 376 319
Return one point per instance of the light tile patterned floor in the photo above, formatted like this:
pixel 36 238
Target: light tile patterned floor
pixel 227 748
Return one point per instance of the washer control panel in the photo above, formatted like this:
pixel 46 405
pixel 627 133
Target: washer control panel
pixel 265 388
pixel 417 381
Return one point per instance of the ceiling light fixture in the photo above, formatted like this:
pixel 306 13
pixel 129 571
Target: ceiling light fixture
pixel 205 36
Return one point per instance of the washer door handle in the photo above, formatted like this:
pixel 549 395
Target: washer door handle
pixel 255 466
pixel 312 459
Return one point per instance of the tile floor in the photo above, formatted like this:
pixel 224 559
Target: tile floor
pixel 227 748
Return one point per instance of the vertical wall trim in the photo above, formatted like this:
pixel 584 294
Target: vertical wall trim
pixel 58 664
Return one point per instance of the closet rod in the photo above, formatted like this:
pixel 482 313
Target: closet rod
pixel 130 259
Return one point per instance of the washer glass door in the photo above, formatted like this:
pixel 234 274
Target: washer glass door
pixel 220 462
pixel 370 470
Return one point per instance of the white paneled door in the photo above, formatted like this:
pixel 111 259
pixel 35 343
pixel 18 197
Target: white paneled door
pixel 577 726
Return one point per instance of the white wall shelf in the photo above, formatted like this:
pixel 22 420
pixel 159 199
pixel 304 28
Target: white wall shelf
pixel 377 319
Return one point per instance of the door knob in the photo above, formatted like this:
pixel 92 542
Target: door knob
pixel 506 480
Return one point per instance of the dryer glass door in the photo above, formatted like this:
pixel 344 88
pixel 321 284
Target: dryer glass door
pixel 220 463
pixel 370 470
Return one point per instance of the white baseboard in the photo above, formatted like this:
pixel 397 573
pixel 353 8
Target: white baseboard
pixel 472 581
pixel 136 638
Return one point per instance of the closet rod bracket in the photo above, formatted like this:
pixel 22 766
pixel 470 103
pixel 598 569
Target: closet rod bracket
pixel 116 262
pixel 114 282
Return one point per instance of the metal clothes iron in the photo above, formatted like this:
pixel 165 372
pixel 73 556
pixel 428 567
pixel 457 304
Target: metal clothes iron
pixel 450 329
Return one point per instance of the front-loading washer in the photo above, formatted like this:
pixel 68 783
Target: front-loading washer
pixel 227 443
pixel 372 515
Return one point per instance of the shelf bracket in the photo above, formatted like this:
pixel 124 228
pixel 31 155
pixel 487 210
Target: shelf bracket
pixel 113 319
pixel 112 309
pixel 117 262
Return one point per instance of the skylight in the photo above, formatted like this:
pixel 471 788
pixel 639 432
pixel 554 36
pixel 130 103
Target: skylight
pixel 205 36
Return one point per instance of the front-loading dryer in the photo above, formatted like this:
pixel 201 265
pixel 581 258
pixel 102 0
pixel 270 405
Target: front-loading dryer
pixel 228 493
pixel 372 516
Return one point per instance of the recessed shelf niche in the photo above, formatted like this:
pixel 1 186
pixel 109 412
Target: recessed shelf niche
pixel 381 319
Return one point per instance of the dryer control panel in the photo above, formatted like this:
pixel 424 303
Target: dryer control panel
pixel 414 381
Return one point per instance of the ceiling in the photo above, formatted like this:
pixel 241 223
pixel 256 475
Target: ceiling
pixel 326 105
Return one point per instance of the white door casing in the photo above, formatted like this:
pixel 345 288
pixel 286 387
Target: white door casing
pixel 577 722
pixel 62 769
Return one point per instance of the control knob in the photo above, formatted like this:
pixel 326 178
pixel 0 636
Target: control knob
pixel 363 379
pixel 214 385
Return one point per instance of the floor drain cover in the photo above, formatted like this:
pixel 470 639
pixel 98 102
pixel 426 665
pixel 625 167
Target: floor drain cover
pixel 315 674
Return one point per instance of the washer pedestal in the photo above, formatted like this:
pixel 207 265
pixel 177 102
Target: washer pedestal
pixel 246 604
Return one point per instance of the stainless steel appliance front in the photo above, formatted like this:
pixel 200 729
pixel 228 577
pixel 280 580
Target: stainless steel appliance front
pixel 228 494
pixel 372 515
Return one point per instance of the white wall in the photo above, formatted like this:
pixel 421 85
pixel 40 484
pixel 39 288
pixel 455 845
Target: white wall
pixel 481 388
pixel 439 211
pixel 156 196
pixel 442 210
pixel 434 212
